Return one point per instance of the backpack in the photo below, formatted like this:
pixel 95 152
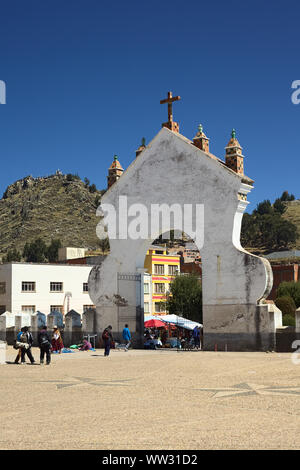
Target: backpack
pixel 23 338
pixel 105 334
pixel 44 339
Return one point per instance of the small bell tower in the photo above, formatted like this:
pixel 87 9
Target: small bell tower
pixel 115 171
pixel 200 140
pixel 234 158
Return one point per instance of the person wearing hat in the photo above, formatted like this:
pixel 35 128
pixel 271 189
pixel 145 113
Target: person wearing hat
pixel 27 339
pixel 57 342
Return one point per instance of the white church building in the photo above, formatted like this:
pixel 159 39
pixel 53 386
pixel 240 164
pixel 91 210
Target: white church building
pixel 32 287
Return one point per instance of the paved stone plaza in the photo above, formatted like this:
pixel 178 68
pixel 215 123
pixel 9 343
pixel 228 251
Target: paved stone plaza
pixel 151 400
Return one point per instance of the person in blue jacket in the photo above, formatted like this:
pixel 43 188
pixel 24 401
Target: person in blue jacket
pixel 196 336
pixel 126 337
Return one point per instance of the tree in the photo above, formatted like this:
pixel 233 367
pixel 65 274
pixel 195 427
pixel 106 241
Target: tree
pixel 86 182
pixel 92 188
pixel 279 206
pixel 35 252
pixel 104 244
pixel 97 200
pixel 52 250
pixel 12 255
pixel 264 207
pixel 287 197
pixel 185 297
pixel 286 304
pixel 290 289
pixel 71 177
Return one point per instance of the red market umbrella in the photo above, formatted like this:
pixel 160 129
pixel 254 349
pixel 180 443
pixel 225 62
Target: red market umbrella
pixel 154 324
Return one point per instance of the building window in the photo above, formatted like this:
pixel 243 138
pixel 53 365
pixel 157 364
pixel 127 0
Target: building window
pixel 146 307
pixel 88 307
pixel 28 286
pixel 56 308
pixel 28 308
pixel 2 288
pixel 56 286
pixel 172 270
pixel 146 288
pixel 159 288
pixel 159 269
pixel 159 307
pixel 2 309
pixel 85 287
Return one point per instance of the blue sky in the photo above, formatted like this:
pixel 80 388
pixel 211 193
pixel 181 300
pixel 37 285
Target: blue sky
pixel 84 80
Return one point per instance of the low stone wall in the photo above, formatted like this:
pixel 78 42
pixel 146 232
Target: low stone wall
pixel 71 334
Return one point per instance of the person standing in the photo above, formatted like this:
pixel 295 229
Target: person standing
pixel 18 340
pixel 57 342
pixel 27 337
pixel 201 337
pixel 127 337
pixel 196 337
pixel 107 339
pixel 44 341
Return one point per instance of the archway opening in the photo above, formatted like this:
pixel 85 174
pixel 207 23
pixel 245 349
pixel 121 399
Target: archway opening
pixel 172 288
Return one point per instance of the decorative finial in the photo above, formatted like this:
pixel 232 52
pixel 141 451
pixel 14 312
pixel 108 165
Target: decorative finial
pixel 143 142
pixel 233 133
pixel 115 157
pixel 200 128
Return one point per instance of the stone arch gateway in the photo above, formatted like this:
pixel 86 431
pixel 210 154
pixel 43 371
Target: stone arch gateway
pixel 170 170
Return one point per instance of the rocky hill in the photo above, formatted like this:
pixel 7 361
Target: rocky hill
pixel 57 206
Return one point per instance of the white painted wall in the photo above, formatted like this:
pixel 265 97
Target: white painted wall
pixel 72 277
pixel 70 253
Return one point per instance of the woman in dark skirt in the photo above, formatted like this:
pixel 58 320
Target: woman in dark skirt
pixel 57 342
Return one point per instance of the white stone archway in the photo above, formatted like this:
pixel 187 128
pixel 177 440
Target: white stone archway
pixel 172 170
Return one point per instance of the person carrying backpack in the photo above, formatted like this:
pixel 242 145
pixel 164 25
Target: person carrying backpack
pixel 44 340
pixel 107 339
pixel 19 345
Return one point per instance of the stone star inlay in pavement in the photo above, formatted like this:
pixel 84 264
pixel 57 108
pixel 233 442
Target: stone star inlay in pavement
pixel 85 380
pixel 251 389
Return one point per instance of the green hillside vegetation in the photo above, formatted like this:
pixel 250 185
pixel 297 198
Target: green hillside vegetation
pixel 292 214
pixel 55 207
pixel 271 227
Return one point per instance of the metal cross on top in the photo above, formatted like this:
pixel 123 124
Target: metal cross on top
pixel 170 100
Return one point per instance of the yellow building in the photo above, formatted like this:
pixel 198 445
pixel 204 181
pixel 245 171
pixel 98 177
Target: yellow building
pixel 162 268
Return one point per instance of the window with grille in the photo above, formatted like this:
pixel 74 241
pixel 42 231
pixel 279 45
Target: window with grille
pixel 146 288
pixel 172 270
pixel 28 308
pixel 159 307
pixel 28 286
pixel 146 307
pixel 2 288
pixel 159 288
pixel 56 286
pixel 56 308
pixel 88 307
pixel 85 287
pixel 159 269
